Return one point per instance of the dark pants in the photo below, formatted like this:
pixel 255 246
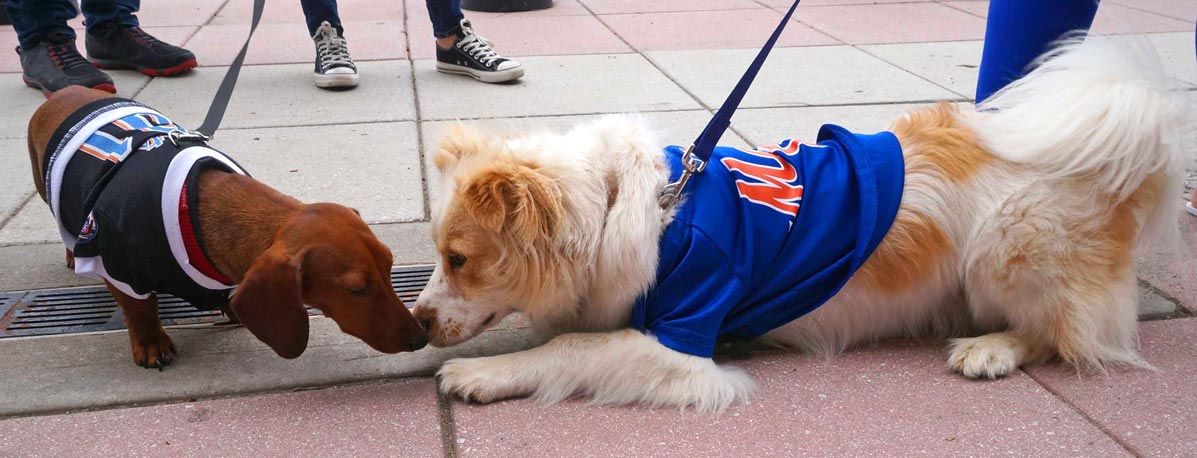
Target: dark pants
pixel 34 19
pixel 317 11
pixel 445 15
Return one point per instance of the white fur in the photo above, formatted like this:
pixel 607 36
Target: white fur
pixel 1073 140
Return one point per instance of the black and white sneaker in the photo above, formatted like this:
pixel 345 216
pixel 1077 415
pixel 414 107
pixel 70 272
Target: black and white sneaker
pixel 474 56
pixel 334 67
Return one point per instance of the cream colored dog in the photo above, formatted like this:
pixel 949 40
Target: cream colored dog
pixel 1017 226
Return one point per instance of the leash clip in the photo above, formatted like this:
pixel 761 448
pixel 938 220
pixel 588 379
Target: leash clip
pixel 691 165
pixel 181 135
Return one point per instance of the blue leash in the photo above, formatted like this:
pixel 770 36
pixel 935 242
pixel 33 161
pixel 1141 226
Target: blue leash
pixel 694 161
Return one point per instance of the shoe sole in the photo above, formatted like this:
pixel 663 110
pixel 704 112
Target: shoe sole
pixel 1189 208
pixel 501 76
pixel 108 64
pixel 106 87
pixel 335 80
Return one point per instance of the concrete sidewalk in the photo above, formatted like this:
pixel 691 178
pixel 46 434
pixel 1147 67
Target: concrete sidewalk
pixel 674 60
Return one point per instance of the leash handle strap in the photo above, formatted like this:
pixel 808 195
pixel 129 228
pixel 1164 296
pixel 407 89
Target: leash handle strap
pixel 705 144
pixel 221 101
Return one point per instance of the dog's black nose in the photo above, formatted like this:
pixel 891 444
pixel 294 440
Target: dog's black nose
pixel 417 342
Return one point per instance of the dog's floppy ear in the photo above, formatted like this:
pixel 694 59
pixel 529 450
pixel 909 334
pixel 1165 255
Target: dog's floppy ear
pixel 269 302
pixel 459 140
pixel 515 198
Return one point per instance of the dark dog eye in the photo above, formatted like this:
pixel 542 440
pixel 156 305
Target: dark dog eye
pixel 456 260
pixel 360 291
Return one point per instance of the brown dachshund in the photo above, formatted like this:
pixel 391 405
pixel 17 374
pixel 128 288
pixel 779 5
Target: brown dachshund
pixel 282 253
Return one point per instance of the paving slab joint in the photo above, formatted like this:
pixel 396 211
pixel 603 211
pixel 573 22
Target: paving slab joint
pixel 445 413
pixel 1130 449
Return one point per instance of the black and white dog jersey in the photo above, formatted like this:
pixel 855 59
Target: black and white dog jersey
pixel 126 199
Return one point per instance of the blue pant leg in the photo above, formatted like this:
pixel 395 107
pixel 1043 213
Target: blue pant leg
pixel 33 19
pixel 446 17
pixel 317 11
pixel 99 12
pixel 1018 31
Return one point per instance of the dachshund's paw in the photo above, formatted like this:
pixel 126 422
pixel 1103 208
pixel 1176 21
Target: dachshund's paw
pixel 152 350
pixel 482 380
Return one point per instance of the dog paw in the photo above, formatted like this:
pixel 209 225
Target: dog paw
pixel 987 356
pixel 481 380
pixel 154 351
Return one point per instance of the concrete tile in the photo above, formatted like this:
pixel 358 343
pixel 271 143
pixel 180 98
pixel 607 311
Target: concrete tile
pixel 894 23
pixel 16 179
pixel 667 6
pixel 374 167
pixel 179 12
pixel 673 127
pixel 1151 411
pixel 83 371
pixel 399 418
pixel 1184 10
pixel 36 267
pixel 218 45
pixel 975 8
pixel 1174 271
pixel 557 85
pixel 952 64
pixel 240 12
pixel 418 11
pixel 1176 51
pixel 738 29
pixel 411 243
pixel 514 35
pixel 1115 18
pixel 844 75
pixel 769 125
pixel 33 224
pixel 11 62
pixel 894 400
pixel 283 95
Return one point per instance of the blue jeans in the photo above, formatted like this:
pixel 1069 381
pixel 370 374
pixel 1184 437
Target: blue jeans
pixel 446 17
pixel 34 19
pixel 317 11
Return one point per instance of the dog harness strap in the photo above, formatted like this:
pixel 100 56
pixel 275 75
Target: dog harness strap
pixel 696 157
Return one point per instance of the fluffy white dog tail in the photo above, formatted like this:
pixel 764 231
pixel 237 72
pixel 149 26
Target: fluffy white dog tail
pixel 1100 110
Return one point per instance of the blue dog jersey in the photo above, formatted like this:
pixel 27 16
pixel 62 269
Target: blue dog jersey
pixel 126 199
pixel 767 235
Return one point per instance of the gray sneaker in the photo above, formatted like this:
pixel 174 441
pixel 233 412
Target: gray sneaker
pixel 55 63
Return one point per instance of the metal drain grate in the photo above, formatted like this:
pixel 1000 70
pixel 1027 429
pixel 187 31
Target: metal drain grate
pixel 91 308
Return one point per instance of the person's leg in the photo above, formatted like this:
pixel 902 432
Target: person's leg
pixel 97 13
pixel 35 19
pixel 446 19
pixel 1018 31
pixel 49 58
pixel 316 12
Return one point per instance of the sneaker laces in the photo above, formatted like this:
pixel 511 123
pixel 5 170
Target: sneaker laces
pixel 63 52
pixel 477 46
pixel 332 49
